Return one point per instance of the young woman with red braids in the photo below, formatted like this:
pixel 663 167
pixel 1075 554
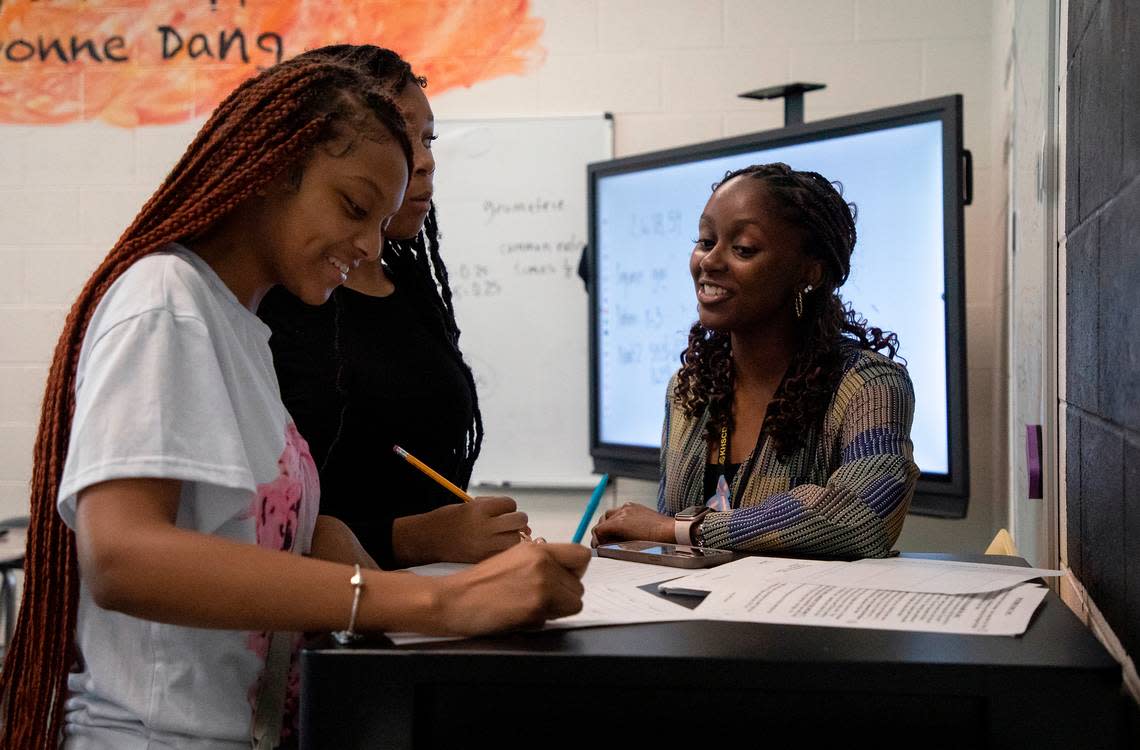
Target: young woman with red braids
pixel 174 528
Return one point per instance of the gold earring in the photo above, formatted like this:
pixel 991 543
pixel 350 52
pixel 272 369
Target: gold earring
pixel 800 300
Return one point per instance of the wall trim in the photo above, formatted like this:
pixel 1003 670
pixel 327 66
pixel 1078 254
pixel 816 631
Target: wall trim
pixel 1062 279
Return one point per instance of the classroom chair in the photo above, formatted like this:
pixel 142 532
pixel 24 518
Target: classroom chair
pixel 10 562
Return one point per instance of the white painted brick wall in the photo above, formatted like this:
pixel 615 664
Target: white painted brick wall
pixel 105 212
pixel 859 75
pixel 12 277
pixel 32 216
pixel 922 19
pixel 79 155
pixel 16 440
pixel 571 25
pixel 710 80
pixel 984 265
pixel 21 388
pixel 625 25
pixel 13 157
pixel 156 151
pixel 756 23
pixel 601 82
pixel 28 334
pixel 501 96
pixel 54 275
pixel 669 71
pixel 963 66
pixel 650 132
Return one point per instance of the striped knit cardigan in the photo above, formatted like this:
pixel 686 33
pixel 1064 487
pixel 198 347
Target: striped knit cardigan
pixel 845 493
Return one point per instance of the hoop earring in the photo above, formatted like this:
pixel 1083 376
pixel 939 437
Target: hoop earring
pixel 800 300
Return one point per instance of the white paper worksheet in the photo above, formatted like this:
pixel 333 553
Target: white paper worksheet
pixel 743 572
pixel 612 597
pixel 917 574
pixel 768 590
pixel 1005 612
pixel 889 574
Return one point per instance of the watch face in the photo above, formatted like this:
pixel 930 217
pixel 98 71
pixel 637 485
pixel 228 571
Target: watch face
pixel 691 512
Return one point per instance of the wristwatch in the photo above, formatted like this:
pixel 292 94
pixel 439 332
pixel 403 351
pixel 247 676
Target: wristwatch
pixel 686 522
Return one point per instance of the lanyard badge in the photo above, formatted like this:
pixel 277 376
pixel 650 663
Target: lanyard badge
pixel 721 501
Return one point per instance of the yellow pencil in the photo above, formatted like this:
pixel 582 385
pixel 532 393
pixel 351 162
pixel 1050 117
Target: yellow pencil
pixel 440 479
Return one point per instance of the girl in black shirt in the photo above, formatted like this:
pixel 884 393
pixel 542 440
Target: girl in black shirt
pixel 379 365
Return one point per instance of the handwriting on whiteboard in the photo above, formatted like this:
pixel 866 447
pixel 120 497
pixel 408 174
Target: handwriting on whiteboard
pixel 494 209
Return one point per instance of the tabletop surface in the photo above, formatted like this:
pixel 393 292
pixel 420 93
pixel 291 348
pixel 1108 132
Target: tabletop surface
pixel 1056 638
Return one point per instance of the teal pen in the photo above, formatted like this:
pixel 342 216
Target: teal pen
pixel 591 508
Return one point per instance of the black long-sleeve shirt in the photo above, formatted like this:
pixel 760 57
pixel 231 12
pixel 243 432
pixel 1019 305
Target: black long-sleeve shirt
pixel 360 374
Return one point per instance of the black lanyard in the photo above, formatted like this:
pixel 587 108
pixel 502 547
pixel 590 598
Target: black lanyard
pixel 741 479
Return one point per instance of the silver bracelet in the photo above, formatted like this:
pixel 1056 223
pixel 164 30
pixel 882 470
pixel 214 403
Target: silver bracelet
pixel 345 637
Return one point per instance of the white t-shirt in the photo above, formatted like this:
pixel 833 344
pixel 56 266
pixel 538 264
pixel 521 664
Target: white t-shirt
pixel 176 380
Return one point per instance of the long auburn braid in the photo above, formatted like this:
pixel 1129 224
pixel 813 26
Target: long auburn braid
pixel 416 260
pixel 268 124
pixel 828 328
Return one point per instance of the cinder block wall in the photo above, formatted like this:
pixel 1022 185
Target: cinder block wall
pixel 1102 222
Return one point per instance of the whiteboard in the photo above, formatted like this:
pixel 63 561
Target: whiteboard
pixel 510 196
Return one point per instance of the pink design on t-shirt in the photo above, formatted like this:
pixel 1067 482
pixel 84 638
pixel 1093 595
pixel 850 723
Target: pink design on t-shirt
pixel 277 504
pixel 279 509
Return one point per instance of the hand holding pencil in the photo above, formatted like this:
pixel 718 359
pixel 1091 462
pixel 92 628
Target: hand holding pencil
pixel 524 585
pixel 491 507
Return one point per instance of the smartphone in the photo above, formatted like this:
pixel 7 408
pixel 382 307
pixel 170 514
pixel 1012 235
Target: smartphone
pixel 661 553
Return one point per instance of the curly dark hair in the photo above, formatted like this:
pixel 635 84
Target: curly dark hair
pixel 414 261
pixel 827 331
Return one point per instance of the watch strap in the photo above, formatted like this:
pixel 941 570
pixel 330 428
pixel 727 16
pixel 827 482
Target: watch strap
pixel 683 528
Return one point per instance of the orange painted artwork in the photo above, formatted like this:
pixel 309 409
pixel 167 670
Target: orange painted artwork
pixel 155 62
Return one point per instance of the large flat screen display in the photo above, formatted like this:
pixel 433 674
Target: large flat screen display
pixel 901 167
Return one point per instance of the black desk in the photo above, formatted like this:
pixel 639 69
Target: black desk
pixel 663 684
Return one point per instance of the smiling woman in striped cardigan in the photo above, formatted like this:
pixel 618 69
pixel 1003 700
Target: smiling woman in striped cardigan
pixel 789 420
